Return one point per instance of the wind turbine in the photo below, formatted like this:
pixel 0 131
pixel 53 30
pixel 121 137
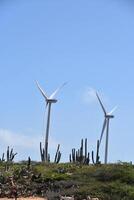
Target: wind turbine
pixel 107 117
pixel 49 101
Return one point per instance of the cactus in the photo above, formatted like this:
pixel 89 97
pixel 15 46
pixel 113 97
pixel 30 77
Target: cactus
pixel 2 159
pixel 28 163
pixel 9 155
pixel 57 155
pixel 48 158
pixel 97 161
pixel 86 147
pixel 42 153
pixel 80 156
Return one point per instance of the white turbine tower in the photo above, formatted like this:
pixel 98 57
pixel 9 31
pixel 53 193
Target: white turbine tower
pixel 49 101
pixel 107 116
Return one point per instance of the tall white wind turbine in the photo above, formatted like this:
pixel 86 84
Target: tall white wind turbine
pixel 49 101
pixel 107 117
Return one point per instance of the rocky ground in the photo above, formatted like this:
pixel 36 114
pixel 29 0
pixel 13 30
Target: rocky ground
pixel 29 198
pixel 106 182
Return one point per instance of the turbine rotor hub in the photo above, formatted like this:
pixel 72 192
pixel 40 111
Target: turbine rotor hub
pixel 109 116
pixel 52 100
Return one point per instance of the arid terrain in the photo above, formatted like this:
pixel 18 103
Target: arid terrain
pixel 105 182
pixel 28 198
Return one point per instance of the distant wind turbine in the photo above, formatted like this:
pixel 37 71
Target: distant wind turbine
pixel 49 100
pixel 107 116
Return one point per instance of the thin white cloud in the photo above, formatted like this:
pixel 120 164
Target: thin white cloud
pixel 89 96
pixel 16 139
pixel 23 141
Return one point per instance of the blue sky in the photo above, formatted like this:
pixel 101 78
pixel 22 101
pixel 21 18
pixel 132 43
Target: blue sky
pixel 88 43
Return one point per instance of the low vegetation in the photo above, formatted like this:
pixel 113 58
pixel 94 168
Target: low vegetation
pixel 107 182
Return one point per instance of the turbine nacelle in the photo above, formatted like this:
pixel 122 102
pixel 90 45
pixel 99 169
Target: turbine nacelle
pixel 49 99
pixel 52 101
pixel 109 116
pixel 106 114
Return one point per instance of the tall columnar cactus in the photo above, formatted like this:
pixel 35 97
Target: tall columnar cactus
pixel 41 152
pixel 2 159
pixel 57 155
pixel 43 155
pixel 29 163
pixel 97 161
pixel 86 148
pixel 10 155
pixel 80 156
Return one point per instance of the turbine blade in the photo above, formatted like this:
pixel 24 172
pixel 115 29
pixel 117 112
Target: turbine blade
pixel 46 104
pixel 46 107
pixel 101 103
pixel 57 90
pixel 103 129
pixel 111 112
pixel 41 90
